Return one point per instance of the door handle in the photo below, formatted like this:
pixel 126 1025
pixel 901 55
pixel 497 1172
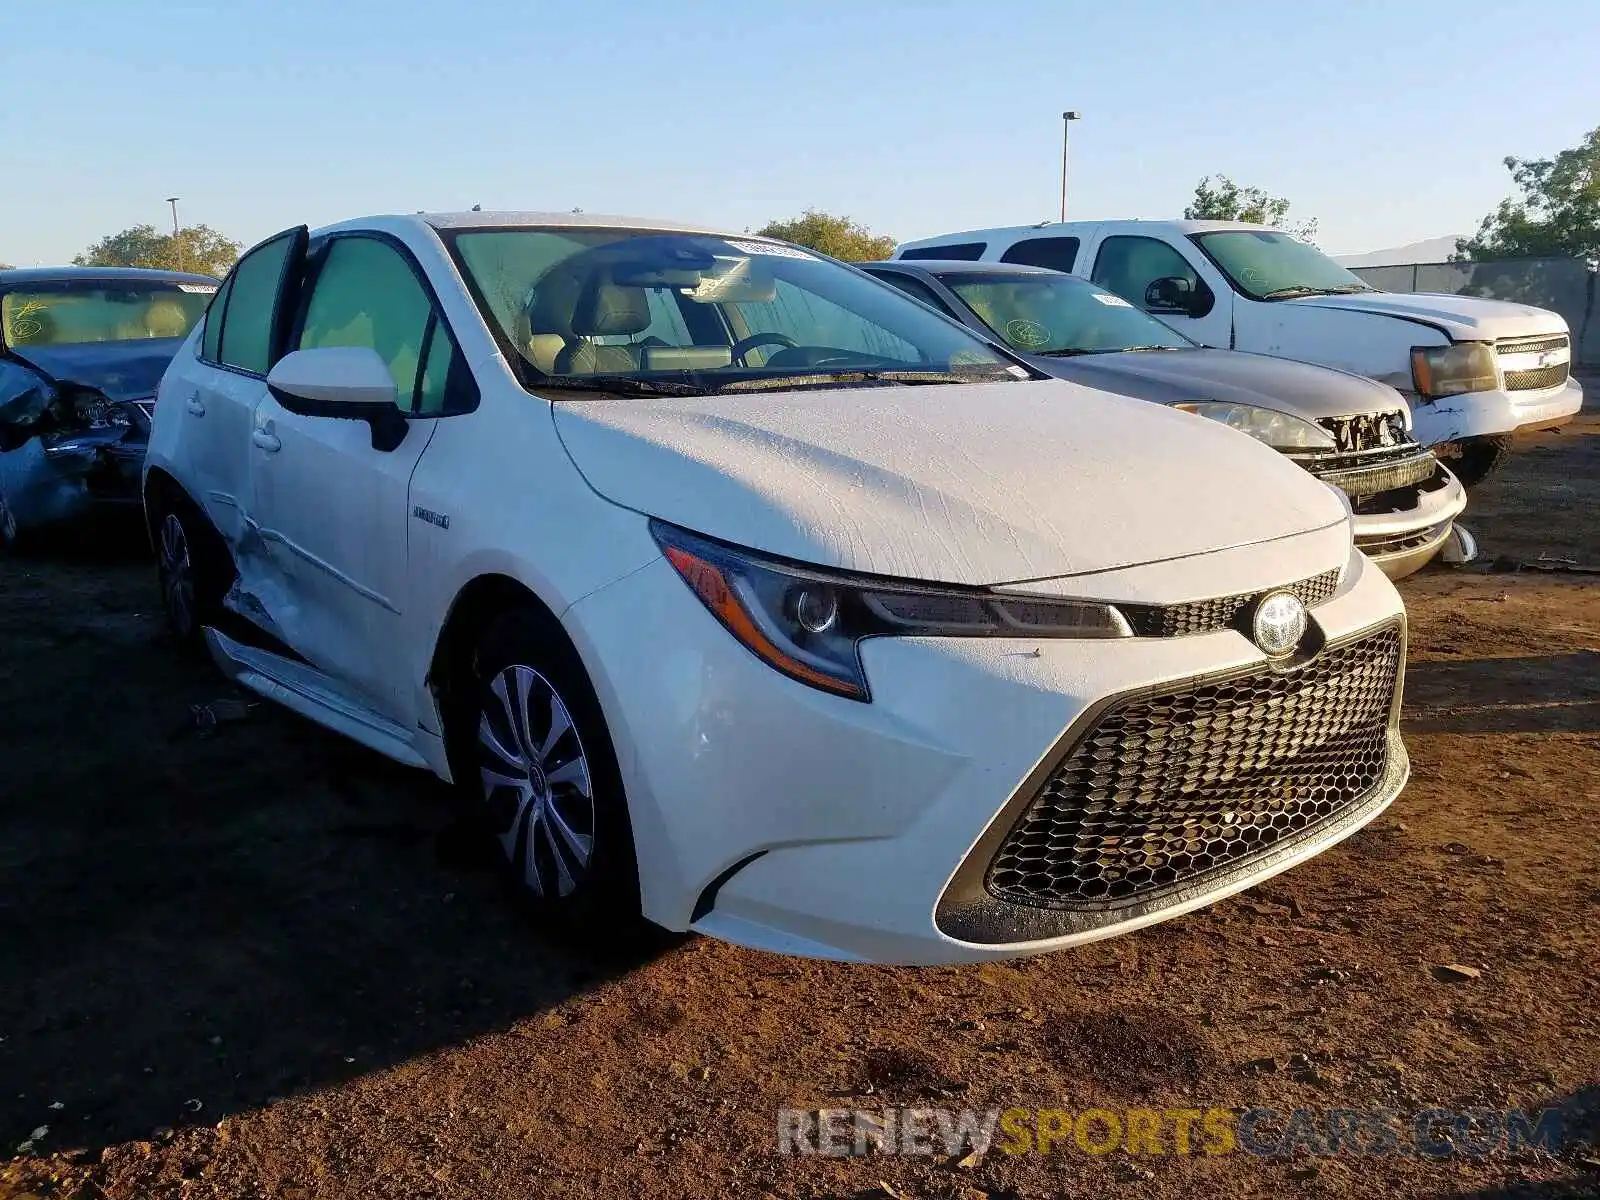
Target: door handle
pixel 264 440
pixel 194 405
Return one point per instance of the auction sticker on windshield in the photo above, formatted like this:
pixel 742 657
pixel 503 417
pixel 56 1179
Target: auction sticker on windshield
pixel 1112 300
pixel 200 289
pixel 769 249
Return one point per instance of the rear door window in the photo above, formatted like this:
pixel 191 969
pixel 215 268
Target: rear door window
pixel 250 320
pixel 212 339
pixel 962 251
pixel 916 289
pixel 1056 253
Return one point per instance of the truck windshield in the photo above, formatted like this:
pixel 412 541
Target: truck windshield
pixel 1053 314
pixel 642 312
pixel 75 312
pixel 1267 264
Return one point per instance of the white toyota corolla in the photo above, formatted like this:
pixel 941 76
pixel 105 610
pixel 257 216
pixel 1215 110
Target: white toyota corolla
pixel 738 589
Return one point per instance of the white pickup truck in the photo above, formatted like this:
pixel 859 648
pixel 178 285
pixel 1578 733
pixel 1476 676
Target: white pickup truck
pixel 1474 371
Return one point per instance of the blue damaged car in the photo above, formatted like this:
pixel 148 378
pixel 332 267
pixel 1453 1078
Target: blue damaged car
pixel 81 352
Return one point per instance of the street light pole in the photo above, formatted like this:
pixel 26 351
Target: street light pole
pixel 176 241
pixel 1067 118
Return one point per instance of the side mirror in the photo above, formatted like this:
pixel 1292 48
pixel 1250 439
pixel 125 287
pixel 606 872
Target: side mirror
pixel 335 381
pixel 350 382
pixel 1172 294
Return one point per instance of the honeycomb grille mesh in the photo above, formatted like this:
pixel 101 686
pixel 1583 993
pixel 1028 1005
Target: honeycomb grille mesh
pixel 1537 379
pixel 1207 616
pixel 1549 341
pixel 1166 790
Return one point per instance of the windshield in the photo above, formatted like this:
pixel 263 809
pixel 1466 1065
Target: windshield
pixel 1267 264
pixel 76 312
pixel 1059 314
pixel 642 312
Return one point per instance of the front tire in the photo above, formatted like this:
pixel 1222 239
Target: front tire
pixel 1474 459
pixel 8 526
pixel 544 776
pixel 192 569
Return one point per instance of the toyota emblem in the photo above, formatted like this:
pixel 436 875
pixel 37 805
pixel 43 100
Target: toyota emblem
pixel 1279 623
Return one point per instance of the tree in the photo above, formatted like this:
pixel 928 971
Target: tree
pixel 1557 215
pixel 198 248
pixel 1225 200
pixel 839 237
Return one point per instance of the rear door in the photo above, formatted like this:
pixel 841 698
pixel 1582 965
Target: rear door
pixel 330 495
pixel 218 393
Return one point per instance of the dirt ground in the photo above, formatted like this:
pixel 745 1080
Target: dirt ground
pixel 266 964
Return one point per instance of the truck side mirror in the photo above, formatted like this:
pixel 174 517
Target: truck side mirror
pixel 1172 294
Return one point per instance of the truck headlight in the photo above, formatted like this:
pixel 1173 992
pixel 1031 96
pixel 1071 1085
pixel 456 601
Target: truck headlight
pixel 1278 430
pixel 1454 369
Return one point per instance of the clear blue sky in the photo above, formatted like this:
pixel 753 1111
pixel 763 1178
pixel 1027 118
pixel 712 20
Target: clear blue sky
pixel 1386 120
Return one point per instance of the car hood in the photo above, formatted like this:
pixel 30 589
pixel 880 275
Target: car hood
pixel 1463 318
pixel 1177 376
pixel 122 370
pixel 955 483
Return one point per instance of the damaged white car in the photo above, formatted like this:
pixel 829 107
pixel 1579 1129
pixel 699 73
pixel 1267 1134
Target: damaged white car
pixel 731 586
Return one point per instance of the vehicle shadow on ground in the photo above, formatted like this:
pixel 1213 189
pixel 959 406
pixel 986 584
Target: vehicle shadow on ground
pixel 193 925
pixel 1543 693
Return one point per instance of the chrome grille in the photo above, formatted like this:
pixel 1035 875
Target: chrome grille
pixel 1380 474
pixel 1166 790
pixel 1532 345
pixel 1207 616
pixel 1532 364
pixel 1537 380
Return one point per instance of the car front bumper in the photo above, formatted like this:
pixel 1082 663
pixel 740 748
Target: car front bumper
pixel 1404 542
pixel 1487 414
pixel 43 485
pixel 775 816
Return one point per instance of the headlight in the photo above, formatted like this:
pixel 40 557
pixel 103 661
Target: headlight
pixel 808 623
pixel 1451 370
pixel 1276 429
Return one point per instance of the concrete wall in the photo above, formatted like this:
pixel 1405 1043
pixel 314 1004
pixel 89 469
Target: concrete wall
pixel 1563 284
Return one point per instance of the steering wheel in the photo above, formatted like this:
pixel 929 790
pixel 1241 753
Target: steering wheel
pixel 746 344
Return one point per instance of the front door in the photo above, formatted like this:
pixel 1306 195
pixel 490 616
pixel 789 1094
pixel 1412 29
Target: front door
pixel 331 508
pixel 1166 282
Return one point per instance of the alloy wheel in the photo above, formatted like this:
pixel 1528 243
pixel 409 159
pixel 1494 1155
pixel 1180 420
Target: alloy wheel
pixel 177 575
pixel 536 781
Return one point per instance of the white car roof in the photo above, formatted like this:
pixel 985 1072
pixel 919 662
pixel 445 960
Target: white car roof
pixel 1012 233
pixel 505 219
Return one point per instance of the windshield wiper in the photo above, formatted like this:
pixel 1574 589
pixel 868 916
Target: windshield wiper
pixel 1291 293
pixel 622 385
pixel 1072 352
pixel 864 375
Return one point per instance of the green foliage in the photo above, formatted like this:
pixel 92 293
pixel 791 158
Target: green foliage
pixel 1225 200
pixel 837 236
pixel 198 248
pixel 1557 215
